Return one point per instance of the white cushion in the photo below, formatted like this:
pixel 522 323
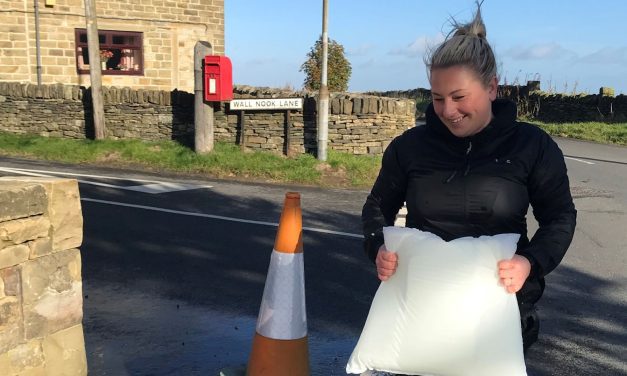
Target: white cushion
pixel 443 313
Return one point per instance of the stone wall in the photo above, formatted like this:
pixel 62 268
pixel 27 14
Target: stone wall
pixel 65 111
pixel 358 124
pixel 535 104
pixel 170 30
pixel 560 108
pixel 41 301
pixel 422 98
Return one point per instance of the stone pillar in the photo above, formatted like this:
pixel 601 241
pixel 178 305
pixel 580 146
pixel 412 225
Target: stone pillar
pixel 533 85
pixel 41 301
pixel 606 92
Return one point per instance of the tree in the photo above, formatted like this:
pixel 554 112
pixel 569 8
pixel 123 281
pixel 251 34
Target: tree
pixel 338 67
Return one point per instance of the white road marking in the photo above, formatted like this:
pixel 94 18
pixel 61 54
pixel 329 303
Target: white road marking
pixel 160 187
pixel 154 188
pixel 164 187
pixel 75 174
pixel 16 171
pixel 220 217
pixel 579 160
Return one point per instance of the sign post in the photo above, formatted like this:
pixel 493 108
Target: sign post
pixel 242 130
pixel 285 104
pixel 288 134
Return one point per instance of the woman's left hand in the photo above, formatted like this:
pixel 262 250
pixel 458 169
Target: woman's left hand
pixel 513 273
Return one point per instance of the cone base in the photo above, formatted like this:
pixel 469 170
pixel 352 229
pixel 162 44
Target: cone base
pixel 276 357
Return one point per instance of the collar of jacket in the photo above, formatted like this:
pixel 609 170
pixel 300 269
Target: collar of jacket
pixel 504 111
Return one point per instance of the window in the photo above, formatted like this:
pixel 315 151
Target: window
pixel 121 52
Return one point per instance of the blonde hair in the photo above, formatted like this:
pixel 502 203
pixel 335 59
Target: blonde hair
pixel 466 45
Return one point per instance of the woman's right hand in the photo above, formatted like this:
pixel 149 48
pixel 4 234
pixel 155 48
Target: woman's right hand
pixel 386 263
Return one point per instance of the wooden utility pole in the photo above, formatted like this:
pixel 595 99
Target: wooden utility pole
pixel 95 76
pixel 203 111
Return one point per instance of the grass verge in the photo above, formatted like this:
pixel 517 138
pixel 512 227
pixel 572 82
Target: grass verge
pixel 606 133
pixel 226 161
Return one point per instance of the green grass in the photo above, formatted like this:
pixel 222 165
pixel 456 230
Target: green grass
pixel 359 170
pixel 225 161
pixel 607 133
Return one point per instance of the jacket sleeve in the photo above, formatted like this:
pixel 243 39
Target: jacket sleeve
pixel 384 201
pixel 553 208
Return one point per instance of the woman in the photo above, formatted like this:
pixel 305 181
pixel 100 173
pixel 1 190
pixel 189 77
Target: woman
pixel 473 170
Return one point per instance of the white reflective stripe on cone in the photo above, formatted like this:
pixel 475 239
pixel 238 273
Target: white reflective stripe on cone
pixel 282 314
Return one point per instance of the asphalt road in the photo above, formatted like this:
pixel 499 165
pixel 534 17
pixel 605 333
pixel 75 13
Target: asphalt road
pixel 174 269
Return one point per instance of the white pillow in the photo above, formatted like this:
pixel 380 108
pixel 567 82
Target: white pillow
pixel 443 313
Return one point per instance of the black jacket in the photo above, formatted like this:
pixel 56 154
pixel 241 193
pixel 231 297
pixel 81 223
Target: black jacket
pixel 478 185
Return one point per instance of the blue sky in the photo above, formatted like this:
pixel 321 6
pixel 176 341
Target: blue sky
pixel 569 45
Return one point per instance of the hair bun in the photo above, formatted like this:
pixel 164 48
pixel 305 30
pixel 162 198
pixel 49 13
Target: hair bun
pixel 476 28
pixel 466 45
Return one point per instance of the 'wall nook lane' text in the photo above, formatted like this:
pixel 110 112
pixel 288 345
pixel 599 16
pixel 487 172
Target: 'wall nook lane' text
pixel 267 104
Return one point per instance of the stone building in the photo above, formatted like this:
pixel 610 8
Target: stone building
pixel 147 44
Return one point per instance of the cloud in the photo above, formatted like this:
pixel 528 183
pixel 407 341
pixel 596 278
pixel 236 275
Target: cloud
pixel 368 63
pixel 607 55
pixel 361 50
pixel 542 51
pixel 418 47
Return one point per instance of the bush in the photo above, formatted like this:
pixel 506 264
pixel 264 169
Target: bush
pixel 338 67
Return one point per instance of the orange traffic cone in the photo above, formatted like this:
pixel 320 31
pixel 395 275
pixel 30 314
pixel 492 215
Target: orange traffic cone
pixel 280 342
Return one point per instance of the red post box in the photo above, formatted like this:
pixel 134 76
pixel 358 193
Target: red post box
pixel 218 78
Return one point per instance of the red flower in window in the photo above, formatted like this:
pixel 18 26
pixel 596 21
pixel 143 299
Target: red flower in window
pixel 105 55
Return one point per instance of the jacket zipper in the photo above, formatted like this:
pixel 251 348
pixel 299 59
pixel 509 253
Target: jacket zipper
pixel 466 166
pixel 466 169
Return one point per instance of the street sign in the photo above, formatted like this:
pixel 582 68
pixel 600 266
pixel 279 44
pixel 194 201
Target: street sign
pixel 266 104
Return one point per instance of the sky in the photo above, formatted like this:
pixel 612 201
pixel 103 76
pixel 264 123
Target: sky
pixel 570 46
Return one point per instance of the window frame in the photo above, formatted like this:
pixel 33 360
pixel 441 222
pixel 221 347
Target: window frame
pixel 108 44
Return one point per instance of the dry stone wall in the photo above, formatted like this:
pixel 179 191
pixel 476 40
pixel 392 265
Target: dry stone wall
pixel 41 301
pixel 535 104
pixel 358 124
pixel 561 108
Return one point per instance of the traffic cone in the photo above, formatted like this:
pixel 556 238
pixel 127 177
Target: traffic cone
pixel 280 342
